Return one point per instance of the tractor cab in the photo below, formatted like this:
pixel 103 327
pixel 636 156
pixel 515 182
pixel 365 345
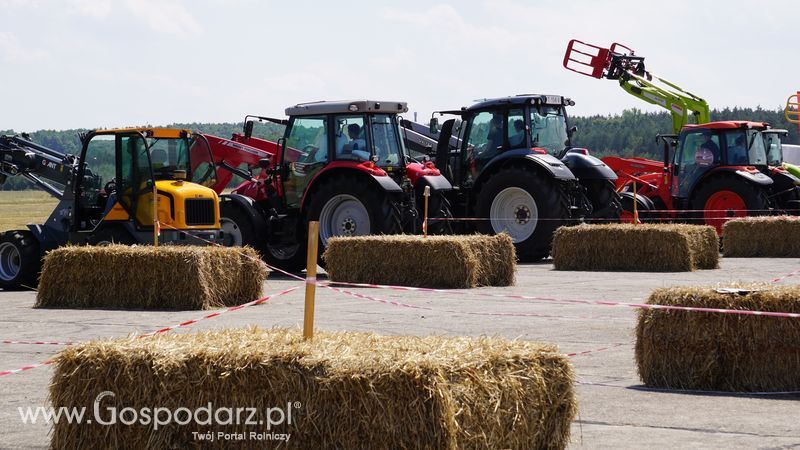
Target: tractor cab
pixel 497 129
pixel 736 147
pixel 121 169
pixel 325 137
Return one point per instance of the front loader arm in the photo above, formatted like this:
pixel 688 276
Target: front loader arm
pixel 682 105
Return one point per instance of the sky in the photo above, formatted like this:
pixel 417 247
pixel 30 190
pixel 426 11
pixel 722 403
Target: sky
pixel 104 63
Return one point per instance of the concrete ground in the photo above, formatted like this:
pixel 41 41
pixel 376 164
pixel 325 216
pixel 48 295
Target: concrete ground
pixel 615 410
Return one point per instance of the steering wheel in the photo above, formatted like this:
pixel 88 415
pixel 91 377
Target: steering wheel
pixel 111 186
pixel 311 152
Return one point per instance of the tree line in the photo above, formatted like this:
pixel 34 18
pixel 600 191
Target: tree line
pixel 631 133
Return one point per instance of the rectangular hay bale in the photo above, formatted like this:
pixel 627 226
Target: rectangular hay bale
pixel 147 277
pixel 772 237
pixel 343 390
pixel 433 262
pixel 636 247
pixel 716 351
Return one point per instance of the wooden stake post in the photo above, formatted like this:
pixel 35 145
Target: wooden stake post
pixel 427 194
pixel 311 280
pixel 155 215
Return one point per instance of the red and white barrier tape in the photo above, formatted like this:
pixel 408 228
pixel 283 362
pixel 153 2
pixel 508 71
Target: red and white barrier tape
pixel 783 277
pixel 35 343
pixel 601 349
pixel 164 330
pixel 689 391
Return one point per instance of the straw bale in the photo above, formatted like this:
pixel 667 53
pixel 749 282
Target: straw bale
pixel 714 351
pixel 147 277
pixel 355 390
pixel 434 262
pixel 636 247
pixel 774 237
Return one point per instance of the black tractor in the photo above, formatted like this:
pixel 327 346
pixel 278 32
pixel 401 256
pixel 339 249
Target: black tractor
pixel 514 170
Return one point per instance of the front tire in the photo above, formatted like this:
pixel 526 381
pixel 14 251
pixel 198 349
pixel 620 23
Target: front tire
pixel 525 205
pixel 606 202
pixel 239 230
pixel 20 260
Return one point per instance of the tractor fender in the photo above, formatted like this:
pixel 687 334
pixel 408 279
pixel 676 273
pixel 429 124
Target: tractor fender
pixel 386 183
pixel 249 207
pixel 550 164
pixel 754 177
pixel 436 182
pixel 587 167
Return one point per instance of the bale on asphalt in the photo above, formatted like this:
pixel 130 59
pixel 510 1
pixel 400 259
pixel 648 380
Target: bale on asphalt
pixel 433 262
pixel 147 277
pixel 350 390
pixel 762 236
pixel 717 351
pixel 636 248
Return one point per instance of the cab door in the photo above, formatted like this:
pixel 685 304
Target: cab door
pixel 135 178
pixel 95 182
pixel 305 153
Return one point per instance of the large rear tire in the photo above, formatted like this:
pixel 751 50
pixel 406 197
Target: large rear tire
pixel 439 213
pixel 723 198
pixel 351 207
pixel 525 205
pixel 20 260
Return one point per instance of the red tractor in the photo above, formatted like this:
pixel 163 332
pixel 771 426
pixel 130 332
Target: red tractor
pixel 341 163
pixel 714 174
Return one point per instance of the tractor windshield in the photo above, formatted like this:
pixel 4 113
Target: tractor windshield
pixel 168 155
pixel 385 140
pixel 549 128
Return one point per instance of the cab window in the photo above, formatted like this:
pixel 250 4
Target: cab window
pixel 516 129
pixel 351 139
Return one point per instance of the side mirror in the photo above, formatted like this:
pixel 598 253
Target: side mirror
pixel 405 123
pixel 264 163
pixel 248 129
pixel 573 129
pixel 433 127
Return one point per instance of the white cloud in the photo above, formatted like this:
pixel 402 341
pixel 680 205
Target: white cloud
pixel 165 16
pixel 12 50
pixel 96 9
pixel 447 23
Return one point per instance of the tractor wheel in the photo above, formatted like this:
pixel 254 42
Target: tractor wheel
pixel 438 208
pixel 525 205
pixel 239 230
pixel 606 202
pixel 351 207
pixel 725 197
pixel 20 260
pixel 643 207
